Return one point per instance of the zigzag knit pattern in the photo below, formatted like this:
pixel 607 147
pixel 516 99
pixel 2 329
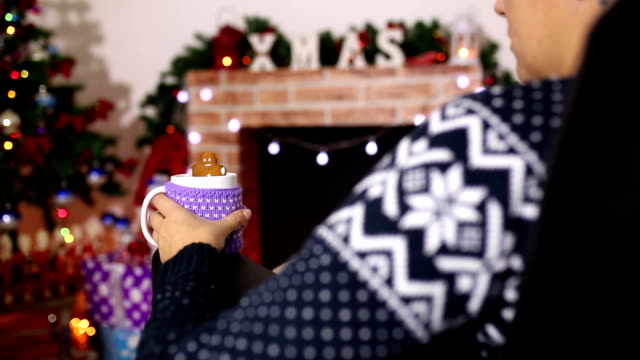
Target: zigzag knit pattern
pixel 211 204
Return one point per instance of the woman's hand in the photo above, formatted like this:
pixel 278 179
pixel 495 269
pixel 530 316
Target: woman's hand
pixel 175 227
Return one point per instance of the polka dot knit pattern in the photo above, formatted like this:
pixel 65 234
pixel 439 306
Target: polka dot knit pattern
pixel 211 204
pixel 424 259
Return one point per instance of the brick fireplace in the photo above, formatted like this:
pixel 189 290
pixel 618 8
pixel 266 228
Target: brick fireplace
pixel 384 97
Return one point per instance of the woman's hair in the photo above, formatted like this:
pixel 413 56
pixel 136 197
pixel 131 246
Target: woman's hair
pixel 578 278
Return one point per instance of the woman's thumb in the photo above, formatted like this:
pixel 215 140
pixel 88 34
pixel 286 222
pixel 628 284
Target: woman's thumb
pixel 235 220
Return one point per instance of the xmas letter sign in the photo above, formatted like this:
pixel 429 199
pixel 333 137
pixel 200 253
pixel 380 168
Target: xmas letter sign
pixel 305 51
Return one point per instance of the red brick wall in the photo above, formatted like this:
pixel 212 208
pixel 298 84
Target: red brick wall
pixel 327 97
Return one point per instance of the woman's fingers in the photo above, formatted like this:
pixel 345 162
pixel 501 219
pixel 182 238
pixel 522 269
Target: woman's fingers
pixel 155 218
pixel 164 204
pixel 175 227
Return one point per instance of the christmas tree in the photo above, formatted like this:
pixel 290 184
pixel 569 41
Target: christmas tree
pixel 48 153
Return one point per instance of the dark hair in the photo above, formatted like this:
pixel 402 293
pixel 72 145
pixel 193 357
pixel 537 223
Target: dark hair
pixel 576 288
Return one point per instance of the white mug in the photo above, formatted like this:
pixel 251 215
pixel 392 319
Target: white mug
pixel 211 197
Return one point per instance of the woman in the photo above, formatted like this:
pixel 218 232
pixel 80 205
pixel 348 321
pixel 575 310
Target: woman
pixel 576 298
pixel 399 270
pixel 548 36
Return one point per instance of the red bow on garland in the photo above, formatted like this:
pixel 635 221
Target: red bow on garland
pixel 64 67
pixel 101 109
pixel 78 122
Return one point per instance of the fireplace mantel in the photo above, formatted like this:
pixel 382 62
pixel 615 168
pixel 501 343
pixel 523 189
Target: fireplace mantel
pixel 321 98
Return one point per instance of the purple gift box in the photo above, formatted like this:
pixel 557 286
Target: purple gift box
pixel 119 295
pixel 136 294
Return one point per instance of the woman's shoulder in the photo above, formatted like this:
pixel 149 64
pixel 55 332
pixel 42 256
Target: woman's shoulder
pixel 545 98
pixel 508 97
pixel 529 114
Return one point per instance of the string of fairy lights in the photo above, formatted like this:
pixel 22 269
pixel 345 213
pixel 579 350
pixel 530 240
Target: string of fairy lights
pixel 368 142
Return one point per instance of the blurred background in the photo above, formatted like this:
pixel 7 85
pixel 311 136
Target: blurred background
pixel 103 100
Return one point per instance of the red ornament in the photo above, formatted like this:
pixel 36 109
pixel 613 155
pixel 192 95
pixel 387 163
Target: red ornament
pixel 228 43
pixel 62 213
pixel 489 80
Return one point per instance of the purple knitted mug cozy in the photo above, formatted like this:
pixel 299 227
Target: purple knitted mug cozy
pixel 211 204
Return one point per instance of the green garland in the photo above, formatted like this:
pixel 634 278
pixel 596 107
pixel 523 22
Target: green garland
pixel 419 39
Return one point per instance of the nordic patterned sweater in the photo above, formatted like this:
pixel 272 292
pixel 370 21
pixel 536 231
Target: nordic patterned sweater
pixel 423 259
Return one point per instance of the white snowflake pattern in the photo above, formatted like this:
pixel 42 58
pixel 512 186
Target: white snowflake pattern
pixel 441 209
pixel 383 183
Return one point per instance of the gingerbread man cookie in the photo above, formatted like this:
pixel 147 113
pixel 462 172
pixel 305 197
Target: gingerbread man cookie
pixel 208 166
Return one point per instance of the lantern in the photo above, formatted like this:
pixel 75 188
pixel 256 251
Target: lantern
pixel 465 41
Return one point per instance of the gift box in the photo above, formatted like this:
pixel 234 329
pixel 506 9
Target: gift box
pixel 119 294
pixel 136 292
